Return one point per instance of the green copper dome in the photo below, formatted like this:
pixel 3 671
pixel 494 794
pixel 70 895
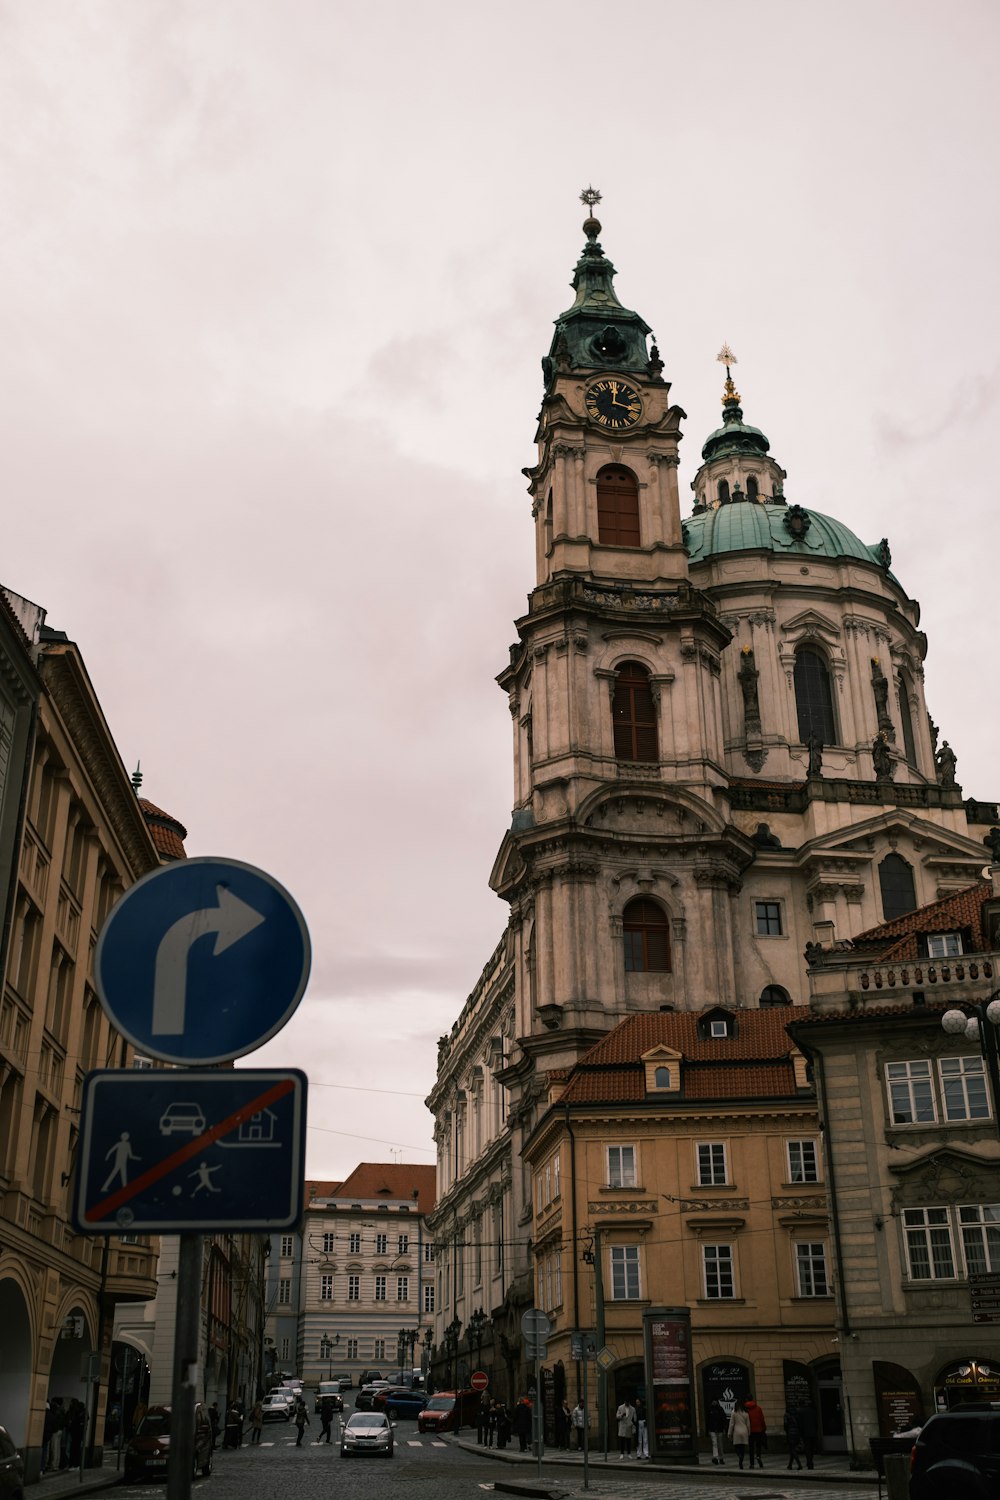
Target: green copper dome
pixel 752 527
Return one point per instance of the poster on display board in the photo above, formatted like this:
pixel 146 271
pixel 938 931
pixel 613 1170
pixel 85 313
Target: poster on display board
pixel 670 1403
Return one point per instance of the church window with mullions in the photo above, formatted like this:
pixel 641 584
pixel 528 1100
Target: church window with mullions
pixel 813 699
pixel 633 711
pixel 617 507
pixel 647 937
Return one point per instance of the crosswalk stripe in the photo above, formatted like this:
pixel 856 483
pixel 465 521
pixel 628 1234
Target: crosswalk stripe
pixel 436 1444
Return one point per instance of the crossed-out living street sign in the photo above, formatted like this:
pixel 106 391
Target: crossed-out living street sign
pixel 187 1150
pixel 202 961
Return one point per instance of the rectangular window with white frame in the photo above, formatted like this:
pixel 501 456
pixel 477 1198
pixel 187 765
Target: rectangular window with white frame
pixel 378 1349
pixel 402 1288
pixel 287 1246
pixel 944 945
pixel 286 1349
pixel 979 1224
pixel 379 1288
pixel 625 1285
pixel 555 1176
pixel 354 1288
pixel 803 1161
pixel 326 1288
pixel 717 1263
pixel 352 1348
pixel 621 1166
pixel 911 1093
pixel 428 1297
pixel 712 1164
pixel 285 1291
pixel 428 1252
pixel 329 1242
pixel 354 1244
pixel 403 1244
pixel 557 1279
pixel 381 1244
pixel 963 1088
pixel 930 1250
pixel 810 1265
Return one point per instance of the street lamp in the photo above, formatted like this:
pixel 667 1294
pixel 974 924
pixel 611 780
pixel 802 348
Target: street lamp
pixel 477 1324
pixel 451 1337
pixel 983 1028
pixel 425 1357
pixel 326 1348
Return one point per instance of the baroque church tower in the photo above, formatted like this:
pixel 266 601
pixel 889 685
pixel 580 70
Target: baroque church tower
pixel 723 762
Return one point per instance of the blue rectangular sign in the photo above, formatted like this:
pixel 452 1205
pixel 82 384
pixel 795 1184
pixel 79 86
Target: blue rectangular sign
pixel 186 1150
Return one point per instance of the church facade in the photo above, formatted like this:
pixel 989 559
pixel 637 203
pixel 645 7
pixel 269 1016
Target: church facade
pixel 723 762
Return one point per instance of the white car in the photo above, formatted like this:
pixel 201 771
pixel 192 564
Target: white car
pixel 367 1432
pixel 276 1407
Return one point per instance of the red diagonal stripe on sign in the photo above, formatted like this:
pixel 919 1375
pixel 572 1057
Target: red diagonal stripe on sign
pixel 116 1200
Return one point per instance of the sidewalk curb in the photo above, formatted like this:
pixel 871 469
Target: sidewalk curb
pixel 771 1478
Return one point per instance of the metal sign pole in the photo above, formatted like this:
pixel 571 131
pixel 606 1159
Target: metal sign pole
pixel 187 1331
pixel 586 1426
pixel 539 1428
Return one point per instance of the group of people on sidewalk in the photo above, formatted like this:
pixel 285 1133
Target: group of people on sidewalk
pixel 62 1436
pixel 746 1429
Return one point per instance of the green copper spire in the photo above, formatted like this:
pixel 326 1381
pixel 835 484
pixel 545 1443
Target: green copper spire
pixel 597 332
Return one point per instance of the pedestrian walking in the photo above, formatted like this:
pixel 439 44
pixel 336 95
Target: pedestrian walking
pixel 739 1430
pixel 256 1420
pixel 503 1424
pixel 234 1428
pixel 522 1422
pixel 213 1417
pixel 301 1419
pixel 563 1424
pixel 326 1409
pixel 716 1422
pixel 579 1419
pixel 808 1429
pixel 641 1430
pixel 758 1432
pixel 793 1433
pixel 625 1416
pixel 483 1420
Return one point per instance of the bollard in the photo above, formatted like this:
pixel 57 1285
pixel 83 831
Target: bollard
pixel 897 1475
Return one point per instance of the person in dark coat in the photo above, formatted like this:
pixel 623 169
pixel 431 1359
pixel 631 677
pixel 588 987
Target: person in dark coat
pixel 563 1424
pixel 793 1433
pixel 808 1428
pixel 522 1422
pixel 326 1410
pixel 503 1424
pixel 214 1419
pixel 483 1419
pixel 301 1419
pixel 716 1422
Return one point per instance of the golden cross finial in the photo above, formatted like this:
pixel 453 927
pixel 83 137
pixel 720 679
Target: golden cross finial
pixel 726 357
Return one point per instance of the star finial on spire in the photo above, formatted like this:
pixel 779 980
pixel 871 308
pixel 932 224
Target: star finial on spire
pixel 726 357
pixel 730 395
pixel 591 197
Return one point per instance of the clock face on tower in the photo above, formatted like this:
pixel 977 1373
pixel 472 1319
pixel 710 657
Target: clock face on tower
pixel 612 403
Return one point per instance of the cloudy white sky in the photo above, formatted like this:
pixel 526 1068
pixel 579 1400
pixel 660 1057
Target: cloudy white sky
pixel 275 280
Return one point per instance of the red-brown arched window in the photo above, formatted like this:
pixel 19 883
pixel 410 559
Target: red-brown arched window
pixel 647 937
pixel 634 715
pixel 617 507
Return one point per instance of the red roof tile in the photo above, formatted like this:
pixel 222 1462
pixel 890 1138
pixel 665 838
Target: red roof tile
pixel 167 833
pixel 389 1180
pixel 759 1034
pixel 963 909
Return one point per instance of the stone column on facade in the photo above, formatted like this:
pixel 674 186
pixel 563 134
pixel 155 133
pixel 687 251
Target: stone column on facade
pixel 540 744
pixel 662 687
pixel 856 709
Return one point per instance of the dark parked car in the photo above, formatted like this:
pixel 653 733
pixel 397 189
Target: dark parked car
pixel 149 1450
pixel 364 1400
pixel 957 1455
pixel 11 1468
pixel 399 1401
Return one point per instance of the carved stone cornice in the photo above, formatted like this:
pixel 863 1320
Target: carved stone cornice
pixel 625 1206
pixel 64 682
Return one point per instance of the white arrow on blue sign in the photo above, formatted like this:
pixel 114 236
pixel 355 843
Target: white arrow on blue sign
pixel 202 961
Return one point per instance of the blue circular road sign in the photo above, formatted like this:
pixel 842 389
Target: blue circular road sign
pixel 202 961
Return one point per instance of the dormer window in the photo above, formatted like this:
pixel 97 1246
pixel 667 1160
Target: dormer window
pixel 661 1078
pixel 944 945
pixel 718 1028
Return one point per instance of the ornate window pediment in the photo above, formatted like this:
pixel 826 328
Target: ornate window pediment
pixel 948 1175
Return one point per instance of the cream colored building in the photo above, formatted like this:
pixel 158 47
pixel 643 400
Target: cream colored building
pixel 83 840
pixel 721 755
pixel 679 1163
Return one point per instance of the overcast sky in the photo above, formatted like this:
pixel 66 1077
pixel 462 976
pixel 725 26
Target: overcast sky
pixel 275 281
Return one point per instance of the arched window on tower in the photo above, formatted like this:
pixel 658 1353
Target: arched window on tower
pixel 617 507
pixel 723 491
pixel 906 720
pixel 813 699
pixel 899 895
pixel 647 937
pixel 753 493
pixel 633 711
pixel 773 994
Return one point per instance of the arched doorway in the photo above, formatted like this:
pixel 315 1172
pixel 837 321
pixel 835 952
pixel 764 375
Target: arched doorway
pixel 967 1380
pixel 15 1367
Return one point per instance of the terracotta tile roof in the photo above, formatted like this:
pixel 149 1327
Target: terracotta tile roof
pixel 754 1063
pixel 963 909
pixel 805 1017
pixel 316 1189
pixel 167 833
pixel 390 1180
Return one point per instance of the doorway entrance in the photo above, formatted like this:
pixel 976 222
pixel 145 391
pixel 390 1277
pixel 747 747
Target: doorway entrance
pixel 830 1405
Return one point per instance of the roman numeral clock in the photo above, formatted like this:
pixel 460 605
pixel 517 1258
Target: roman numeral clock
pixel 613 404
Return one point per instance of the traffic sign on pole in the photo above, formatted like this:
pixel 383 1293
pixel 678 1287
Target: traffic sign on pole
pixel 180 1150
pixel 536 1325
pixel 182 999
pixel 479 1380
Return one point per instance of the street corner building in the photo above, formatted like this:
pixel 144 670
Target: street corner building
pixel 727 789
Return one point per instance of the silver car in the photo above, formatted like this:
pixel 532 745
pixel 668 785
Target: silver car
pixel 367 1432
